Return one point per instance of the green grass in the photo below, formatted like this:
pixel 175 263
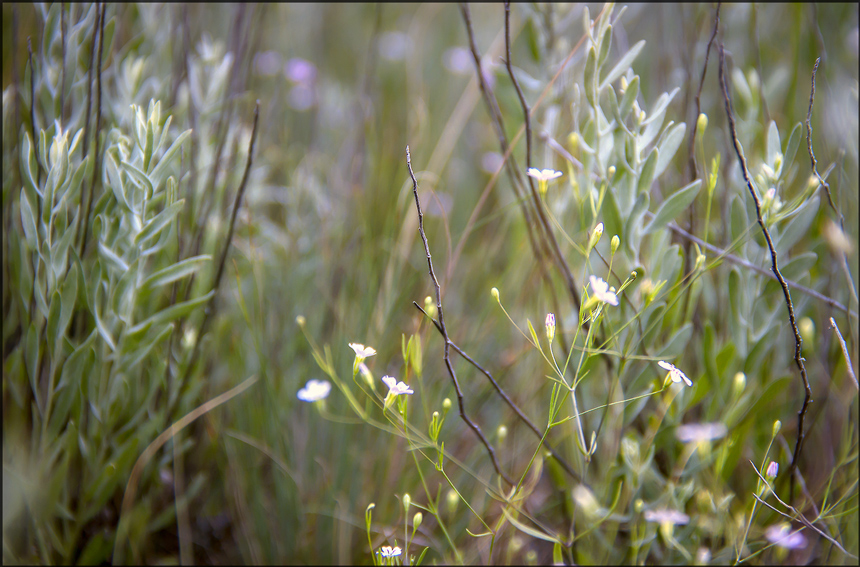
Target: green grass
pixel 154 348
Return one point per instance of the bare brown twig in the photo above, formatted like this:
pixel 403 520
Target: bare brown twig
pixel 216 282
pixel 798 341
pixel 444 330
pixel 523 417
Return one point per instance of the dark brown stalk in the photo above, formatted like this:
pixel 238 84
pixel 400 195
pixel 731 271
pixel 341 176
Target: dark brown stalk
pixel 87 206
pixel 100 20
pixel 562 262
pixel 444 330
pixel 523 417
pixel 513 172
pixel 798 341
pixel 216 282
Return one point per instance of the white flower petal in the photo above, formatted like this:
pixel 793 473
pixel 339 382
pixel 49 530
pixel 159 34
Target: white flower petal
pixel 315 390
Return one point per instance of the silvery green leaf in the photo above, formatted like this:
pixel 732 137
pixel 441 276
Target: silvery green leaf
pixel 791 147
pixel 798 226
pixel 649 169
pixel 136 356
pixel 676 345
pixel 650 132
pixel 630 95
pixel 53 320
pixel 623 64
pixel 773 145
pixel 158 222
pixel 633 227
pixel 590 81
pixel 114 180
pixel 158 171
pixel 28 221
pixel 673 205
pixel 603 49
pixel 140 176
pixel 112 259
pixel 123 293
pixel 29 165
pixel 660 106
pixel 60 251
pixel 31 360
pixel 175 272
pixel 74 184
pixel 174 312
pixel 668 146
pixel 149 145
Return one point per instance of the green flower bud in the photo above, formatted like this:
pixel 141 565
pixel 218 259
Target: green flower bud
pixel 807 329
pixel 407 501
pixel 739 384
pixel 502 432
pixel 615 243
pixel 300 321
pixel 446 405
pixel 777 425
pixel 452 499
pixel 702 123
pixel 416 520
pixel 495 293
pixel 430 307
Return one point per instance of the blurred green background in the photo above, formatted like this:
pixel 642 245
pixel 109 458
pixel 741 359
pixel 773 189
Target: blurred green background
pixel 327 230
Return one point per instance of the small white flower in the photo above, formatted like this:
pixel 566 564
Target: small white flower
pixel 543 174
pixel 782 536
pixel 676 374
pixel 388 551
pixel 695 432
pixel 601 291
pixel 315 390
pixel 666 516
pixel 362 351
pixel 396 388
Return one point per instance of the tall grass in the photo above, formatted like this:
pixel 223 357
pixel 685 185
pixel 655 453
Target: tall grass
pixel 204 206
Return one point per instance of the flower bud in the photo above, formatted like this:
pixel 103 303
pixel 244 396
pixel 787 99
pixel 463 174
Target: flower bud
pixel 550 327
pixel 495 293
pixel 446 405
pixel 739 384
pixel 502 432
pixel 610 173
pixel 772 470
pixel 616 242
pixel 407 501
pixel 777 425
pixel 807 329
pixel 430 307
pixel 300 321
pixel 416 520
pixel 595 235
pixel 702 123
pixel 451 501
pixel 638 505
pixel 573 140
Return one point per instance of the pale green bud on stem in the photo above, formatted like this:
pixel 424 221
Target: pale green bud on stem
pixel 614 244
pixel 739 384
pixel 777 425
pixel 416 520
pixel 407 501
pixel 430 307
pixel 502 433
pixel 702 123
pixel 300 321
pixel 550 327
pixel 595 236
pixel 495 293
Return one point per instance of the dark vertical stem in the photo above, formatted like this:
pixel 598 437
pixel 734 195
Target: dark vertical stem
pixel 798 341
pixel 86 220
pixel 444 330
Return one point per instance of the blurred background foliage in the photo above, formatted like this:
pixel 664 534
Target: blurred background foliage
pixel 327 230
